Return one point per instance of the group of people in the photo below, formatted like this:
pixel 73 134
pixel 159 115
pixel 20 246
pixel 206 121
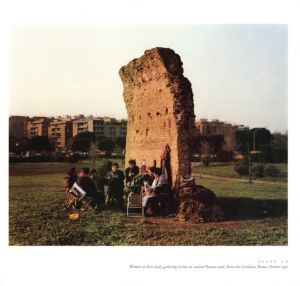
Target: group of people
pixel 90 182
pixel 149 182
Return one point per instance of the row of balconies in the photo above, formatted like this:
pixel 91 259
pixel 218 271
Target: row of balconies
pixel 98 129
pixel 53 135
pixel 82 129
pixel 80 125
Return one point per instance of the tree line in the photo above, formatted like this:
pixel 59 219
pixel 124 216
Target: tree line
pixel 264 146
pixel 259 142
pixel 82 142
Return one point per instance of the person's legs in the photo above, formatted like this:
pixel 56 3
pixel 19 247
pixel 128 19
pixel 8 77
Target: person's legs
pixel 150 208
pixel 109 196
pixel 119 198
pixel 97 202
pixel 101 198
pixel 162 204
pixel 93 203
pixel 73 201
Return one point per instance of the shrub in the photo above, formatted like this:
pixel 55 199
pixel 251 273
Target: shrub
pixel 271 171
pixel 241 167
pixel 258 170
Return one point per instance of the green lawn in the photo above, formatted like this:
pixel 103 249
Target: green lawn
pixel 226 170
pixel 256 214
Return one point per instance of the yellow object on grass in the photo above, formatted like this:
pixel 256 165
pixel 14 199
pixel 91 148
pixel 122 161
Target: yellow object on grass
pixel 74 216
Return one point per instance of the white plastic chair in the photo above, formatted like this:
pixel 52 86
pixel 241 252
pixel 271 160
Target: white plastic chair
pixel 80 196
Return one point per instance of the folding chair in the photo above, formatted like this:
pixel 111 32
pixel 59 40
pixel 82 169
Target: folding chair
pixel 79 196
pixel 134 205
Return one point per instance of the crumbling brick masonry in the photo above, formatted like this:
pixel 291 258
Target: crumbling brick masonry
pixel 159 102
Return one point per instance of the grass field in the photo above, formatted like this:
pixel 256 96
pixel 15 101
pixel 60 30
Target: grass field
pixel 226 170
pixel 256 214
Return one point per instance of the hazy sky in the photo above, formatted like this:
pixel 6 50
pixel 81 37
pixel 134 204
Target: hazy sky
pixel 238 72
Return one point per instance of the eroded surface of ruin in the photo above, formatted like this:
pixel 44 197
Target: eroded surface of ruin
pixel 159 103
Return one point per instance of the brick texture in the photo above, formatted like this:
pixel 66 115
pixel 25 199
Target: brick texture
pixel 159 103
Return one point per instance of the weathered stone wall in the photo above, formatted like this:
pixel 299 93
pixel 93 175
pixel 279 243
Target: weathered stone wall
pixel 159 102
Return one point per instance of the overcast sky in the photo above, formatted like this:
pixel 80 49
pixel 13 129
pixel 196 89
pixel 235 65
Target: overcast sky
pixel 238 72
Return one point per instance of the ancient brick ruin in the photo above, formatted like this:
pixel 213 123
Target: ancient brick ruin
pixel 159 102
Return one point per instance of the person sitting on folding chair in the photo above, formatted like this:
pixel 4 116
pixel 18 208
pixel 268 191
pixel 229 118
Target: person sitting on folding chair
pixel 131 172
pixel 152 194
pixel 87 184
pixel 69 181
pixel 115 181
pixel 137 183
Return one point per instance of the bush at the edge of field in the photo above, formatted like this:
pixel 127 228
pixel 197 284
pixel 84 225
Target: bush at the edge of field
pixel 258 170
pixel 241 167
pixel 271 171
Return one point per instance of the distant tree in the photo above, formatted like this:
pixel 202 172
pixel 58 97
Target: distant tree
pixel 12 144
pixel 243 137
pixel 105 144
pixel 40 143
pixel 22 145
pixel 258 139
pixel 262 141
pixel 201 143
pixel 216 142
pixel 69 143
pixel 279 147
pixel 93 153
pixel 206 152
pixel 120 142
pixel 230 145
pixel 82 141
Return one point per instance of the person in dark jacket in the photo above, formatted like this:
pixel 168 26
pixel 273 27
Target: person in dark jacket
pixel 131 171
pixel 87 184
pixel 99 183
pixel 115 180
pixel 70 179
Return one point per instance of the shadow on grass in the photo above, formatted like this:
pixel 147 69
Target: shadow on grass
pixel 248 208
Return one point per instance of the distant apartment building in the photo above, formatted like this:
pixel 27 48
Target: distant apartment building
pixel 101 126
pixel 18 126
pixel 215 127
pixel 60 132
pixel 87 124
pixel 38 126
pixel 114 128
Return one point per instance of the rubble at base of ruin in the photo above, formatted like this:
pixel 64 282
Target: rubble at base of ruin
pixel 198 204
pixel 160 107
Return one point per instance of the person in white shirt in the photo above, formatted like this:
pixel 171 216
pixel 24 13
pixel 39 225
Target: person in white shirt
pixel 158 183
